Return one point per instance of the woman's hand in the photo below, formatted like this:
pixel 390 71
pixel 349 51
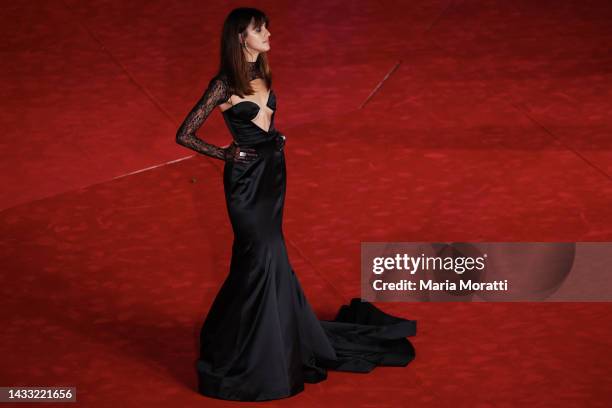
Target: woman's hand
pixel 233 152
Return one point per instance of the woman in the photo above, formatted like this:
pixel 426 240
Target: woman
pixel 261 340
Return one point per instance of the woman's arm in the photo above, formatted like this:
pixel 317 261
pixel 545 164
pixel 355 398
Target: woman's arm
pixel 215 94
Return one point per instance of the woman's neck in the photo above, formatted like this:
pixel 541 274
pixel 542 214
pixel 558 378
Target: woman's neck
pixel 248 57
pixel 253 69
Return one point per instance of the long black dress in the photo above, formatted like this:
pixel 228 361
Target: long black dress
pixel 261 340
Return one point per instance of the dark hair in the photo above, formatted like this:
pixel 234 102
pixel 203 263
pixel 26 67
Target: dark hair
pixel 233 62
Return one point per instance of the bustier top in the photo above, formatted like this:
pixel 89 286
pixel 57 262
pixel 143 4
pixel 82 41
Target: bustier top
pixel 239 118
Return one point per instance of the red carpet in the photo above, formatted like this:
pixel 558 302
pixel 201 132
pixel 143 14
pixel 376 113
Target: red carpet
pixel 492 125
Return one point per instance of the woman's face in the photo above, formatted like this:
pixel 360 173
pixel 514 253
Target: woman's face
pixel 257 38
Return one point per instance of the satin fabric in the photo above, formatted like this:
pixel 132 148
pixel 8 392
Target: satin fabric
pixel 239 121
pixel 261 340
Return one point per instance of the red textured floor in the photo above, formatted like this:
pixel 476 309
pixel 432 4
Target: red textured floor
pixel 494 126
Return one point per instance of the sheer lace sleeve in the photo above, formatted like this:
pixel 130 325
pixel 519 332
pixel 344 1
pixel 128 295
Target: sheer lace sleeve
pixel 215 94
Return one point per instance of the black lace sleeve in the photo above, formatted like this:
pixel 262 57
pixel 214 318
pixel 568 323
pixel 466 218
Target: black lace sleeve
pixel 215 94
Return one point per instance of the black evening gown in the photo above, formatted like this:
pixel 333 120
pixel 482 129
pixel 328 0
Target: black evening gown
pixel 261 339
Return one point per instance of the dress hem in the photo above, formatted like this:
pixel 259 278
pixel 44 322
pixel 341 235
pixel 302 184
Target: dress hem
pixel 206 389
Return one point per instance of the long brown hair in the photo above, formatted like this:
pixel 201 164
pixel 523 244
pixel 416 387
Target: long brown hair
pixel 233 62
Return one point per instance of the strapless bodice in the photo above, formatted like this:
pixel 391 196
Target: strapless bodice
pixel 239 120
